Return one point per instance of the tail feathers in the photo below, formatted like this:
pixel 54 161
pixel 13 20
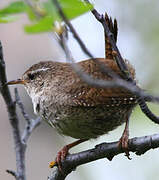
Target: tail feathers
pixel 113 27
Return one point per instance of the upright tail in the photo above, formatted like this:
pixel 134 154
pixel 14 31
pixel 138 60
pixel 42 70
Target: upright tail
pixel 113 27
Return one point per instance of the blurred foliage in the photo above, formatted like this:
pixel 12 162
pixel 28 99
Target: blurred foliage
pixel 14 7
pixel 43 15
pixel 7 18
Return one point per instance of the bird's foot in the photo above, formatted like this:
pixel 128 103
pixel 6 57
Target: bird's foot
pixel 61 155
pixel 124 144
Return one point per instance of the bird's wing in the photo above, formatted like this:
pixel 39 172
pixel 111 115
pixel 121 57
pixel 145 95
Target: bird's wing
pixel 84 95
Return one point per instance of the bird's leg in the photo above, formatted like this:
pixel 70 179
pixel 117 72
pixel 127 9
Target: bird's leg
pixel 124 140
pixel 61 155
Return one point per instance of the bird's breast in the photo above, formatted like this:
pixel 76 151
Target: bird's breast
pixel 86 122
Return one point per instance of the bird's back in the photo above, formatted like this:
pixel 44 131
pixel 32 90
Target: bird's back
pixel 88 112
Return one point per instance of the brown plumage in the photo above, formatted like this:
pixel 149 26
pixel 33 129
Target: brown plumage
pixel 113 27
pixel 72 106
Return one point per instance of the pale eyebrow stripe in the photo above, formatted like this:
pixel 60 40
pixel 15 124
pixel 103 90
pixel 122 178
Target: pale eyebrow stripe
pixel 38 70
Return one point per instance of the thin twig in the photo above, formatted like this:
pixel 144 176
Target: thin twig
pixel 34 123
pixel 75 34
pixel 13 173
pixel 31 124
pixel 141 101
pixel 33 8
pixel 84 48
pixel 20 104
pixel 119 59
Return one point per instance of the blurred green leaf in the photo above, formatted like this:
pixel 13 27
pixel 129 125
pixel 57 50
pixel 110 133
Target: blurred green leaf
pixel 74 8
pixel 7 18
pixel 14 7
pixel 71 8
pixel 31 15
pixel 47 13
pixel 43 25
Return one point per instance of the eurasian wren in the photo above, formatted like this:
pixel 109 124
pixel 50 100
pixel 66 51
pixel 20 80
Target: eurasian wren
pixel 73 107
pixel 70 105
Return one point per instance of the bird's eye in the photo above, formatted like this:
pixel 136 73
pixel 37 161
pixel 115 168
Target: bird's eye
pixel 31 76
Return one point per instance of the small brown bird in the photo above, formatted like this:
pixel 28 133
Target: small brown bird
pixel 73 107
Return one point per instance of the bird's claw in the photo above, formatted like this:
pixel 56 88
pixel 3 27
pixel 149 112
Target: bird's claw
pixel 124 144
pixel 61 155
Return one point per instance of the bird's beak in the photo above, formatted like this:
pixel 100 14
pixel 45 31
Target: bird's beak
pixel 18 81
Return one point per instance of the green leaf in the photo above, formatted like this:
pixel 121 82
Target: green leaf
pixel 43 25
pixel 14 7
pixel 7 18
pixel 71 8
pixel 74 8
pixel 31 15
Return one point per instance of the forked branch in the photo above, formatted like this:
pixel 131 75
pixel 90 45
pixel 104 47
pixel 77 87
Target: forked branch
pixel 19 140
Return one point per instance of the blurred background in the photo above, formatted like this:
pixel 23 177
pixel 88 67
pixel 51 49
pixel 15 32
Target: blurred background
pixel 138 41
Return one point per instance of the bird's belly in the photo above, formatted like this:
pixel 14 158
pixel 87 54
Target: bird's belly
pixel 88 122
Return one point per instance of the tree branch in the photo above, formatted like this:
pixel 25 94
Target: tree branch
pixel 31 123
pixel 21 107
pixel 119 59
pixel 19 141
pixel 141 100
pixel 29 128
pixel 75 34
pixel 14 121
pixel 13 173
pixel 139 145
